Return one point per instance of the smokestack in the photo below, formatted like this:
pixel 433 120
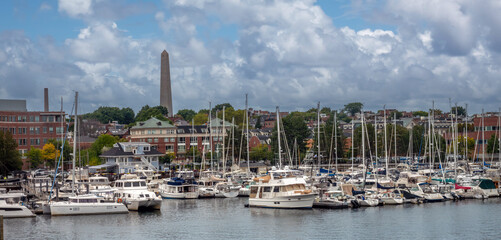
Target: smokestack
pixel 45 99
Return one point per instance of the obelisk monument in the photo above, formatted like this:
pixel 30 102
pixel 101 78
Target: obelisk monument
pixel 165 89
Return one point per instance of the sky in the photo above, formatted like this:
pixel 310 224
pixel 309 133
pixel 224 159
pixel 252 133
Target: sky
pixel 292 54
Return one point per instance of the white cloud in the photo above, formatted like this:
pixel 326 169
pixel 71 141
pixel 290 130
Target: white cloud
pixel 76 8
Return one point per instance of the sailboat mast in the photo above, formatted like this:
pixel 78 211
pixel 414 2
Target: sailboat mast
pixel 352 150
pixel 318 135
pixel 375 142
pixel 195 147
pixel 499 134
pixel 224 153
pixel 278 134
pixel 74 143
pixel 247 132
pixel 456 138
pixel 363 146
pixel 210 135
pixel 385 140
pixel 483 140
pixel 62 139
pixel 335 137
pixel 395 122
pixel 466 135
pixel 232 141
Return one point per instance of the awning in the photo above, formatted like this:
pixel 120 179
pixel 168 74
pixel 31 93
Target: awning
pixel 106 165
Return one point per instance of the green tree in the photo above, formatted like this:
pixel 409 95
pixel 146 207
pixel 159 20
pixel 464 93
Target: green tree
pixel 353 108
pixel 295 128
pixel 187 114
pixel 127 115
pixel 50 154
pixel 10 159
pixel 200 118
pixel 35 157
pixel 420 113
pixel 219 107
pixel 258 123
pixel 327 138
pixel 260 152
pixel 67 148
pixel 471 146
pixel 326 110
pixel 102 143
pixel 460 111
pixel 493 144
pixel 108 114
pixel 147 112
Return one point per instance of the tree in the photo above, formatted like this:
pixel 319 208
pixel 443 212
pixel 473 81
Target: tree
pixel 67 148
pixel 260 152
pixel 295 128
pixel 167 158
pixel 200 118
pixel 460 111
pixel 326 110
pixel 493 144
pixel 187 114
pixel 35 157
pixel 147 112
pixel 10 159
pixel 50 154
pixel 258 123
pixel 108 114
pixel 420 113
pixel 102 143
pixel 219 107
pixel 353 108
pixel 471 146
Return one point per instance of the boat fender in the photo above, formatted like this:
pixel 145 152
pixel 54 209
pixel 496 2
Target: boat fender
pixel 119 200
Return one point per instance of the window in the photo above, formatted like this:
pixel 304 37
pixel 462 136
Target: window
pixel 51 129
pixel 51 118
pixel 181 140
pixel 181 148
pixel 153 132
pixel 128 184
pixel 172 140
pixel 136 184
pixel 155 140
pixel 44 129
pixel 180 131
pixel 32 130
pixel 166 139
pixel 32 118
pixel 169 148
pixel 19 130
pixel 267 189
pixel 149 140
pixel 193 140
pixel 276 189
pixel 37 130
pixel 59 130
pixel 37 119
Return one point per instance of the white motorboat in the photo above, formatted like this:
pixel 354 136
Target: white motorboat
pixel 12 205
pixel 86 205
pixel 280 189
pixel 226 190
pixel 390 198
pixel 181 187
pixel 425 191
pixel 135 195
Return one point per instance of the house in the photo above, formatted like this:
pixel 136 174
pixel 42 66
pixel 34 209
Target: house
pixel 131 156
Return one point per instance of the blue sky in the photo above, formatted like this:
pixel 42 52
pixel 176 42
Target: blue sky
pixel 286 53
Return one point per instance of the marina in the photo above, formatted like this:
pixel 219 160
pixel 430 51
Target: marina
pixel 226 218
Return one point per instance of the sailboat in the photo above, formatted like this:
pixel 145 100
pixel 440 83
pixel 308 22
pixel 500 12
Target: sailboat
pixel 83 204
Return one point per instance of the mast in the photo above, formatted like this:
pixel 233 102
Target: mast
pixel 395 122
pixel 466 135
pixel 483 140
pixel 62 140
pixel 224 153
pixel 352 150
pixel 318 135
pixel 363 146
pixel 194 148
pixel 278 134
pixel 232 141
pixel 499 134
pixel 456 138
pixel 385 141
pixel 335 137
pixel 247 132
pixel 375 142
pixel 74 144
pixel 210 136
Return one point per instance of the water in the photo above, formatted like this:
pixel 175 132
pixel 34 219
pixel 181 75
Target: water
pixel 229 219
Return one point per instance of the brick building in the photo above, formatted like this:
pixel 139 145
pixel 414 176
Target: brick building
pixel 30 128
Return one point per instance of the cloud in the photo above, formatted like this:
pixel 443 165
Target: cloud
pixel 45 6
pixel 103 10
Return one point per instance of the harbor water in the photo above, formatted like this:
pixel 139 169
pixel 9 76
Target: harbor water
pixel 227 218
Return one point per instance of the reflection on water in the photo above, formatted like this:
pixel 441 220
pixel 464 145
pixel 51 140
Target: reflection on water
pixel 228 218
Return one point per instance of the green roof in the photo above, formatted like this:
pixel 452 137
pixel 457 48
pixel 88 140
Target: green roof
pixel 216 122
pixel 153 123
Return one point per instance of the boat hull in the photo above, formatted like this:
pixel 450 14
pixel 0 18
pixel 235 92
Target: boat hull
pixel 188 195
pixel 290 202
pixel 16 212
pixel 143 204
pixel 66 209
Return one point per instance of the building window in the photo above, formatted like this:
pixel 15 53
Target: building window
pixel 169 148
pixel 153 132
pixel 37 130
pixel 181 140
pixel 155 140
pixel 142 132
pixel 32 118
pixel 172 140
pixel 32 130
pixel 166 139
pixel 44 129
pixel 37 119
pixel 180 131
pixel 193 140
pixel 51 118
pixel 181 148
pixel 59 130
pixel 51 129
pixel 149 140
